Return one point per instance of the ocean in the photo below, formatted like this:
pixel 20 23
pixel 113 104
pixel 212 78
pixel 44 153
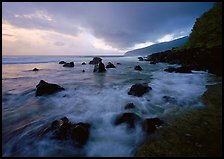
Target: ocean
pixel 95 98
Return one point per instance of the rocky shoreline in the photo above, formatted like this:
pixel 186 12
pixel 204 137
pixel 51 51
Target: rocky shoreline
pixel 197 132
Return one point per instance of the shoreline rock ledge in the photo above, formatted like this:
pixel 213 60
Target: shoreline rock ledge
pixel 44 88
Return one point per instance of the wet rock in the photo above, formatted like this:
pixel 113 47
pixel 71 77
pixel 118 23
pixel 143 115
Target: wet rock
pixel 182 69
pixel 149 125
pixel 62 62
pixel 71 64
pixel 63 129
pixel 99 68
pixel 83 71
pixel 110 65
pixel 129 106
pixel 83 63
pixel 140 59
pixel 44 88
pixel 139 89
pixel 35 69
pixel 138 68
pixel 96 60
pixel 129 118
pixel 118 63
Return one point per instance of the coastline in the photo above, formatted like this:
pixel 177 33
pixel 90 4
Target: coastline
pixel 197 132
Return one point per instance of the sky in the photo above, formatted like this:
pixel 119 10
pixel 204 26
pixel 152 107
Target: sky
pixel 94 28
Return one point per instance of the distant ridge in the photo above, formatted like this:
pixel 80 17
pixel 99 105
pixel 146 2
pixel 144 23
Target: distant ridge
pixel 157 47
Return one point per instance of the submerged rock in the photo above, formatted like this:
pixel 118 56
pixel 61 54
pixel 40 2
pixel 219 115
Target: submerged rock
pixel 71 64
pixel 35 69
pixel 63 129
pixel 95 60
pixel 118 63
pixel 110 65
pixel 83 71
pixel 138 68
pixel 44 88
pixel 169 99
pixel 129 106
pixel 129 118
pixel 62 62
pixel 139 89
pixel 149 125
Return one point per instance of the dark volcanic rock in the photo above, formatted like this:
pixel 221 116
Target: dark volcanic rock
pixel 101 67
pixel 95 60
pixel 110 65
pixel 35 69
pixel 140 59
pixel 129 106
pixel 182 69
pixel 44 88
pixel 139 89
pixel 71 64
pixel 149 125
pixel 138 68
pixel 129 118
pixel 63 129
pixel 62 62
pixel 83 63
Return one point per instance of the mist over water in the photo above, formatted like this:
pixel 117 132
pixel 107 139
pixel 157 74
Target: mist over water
pixel 95 98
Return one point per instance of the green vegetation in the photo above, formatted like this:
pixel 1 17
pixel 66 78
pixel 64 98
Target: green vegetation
pixel 197 132
pixel 207 30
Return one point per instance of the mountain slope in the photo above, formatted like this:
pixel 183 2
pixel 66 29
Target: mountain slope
pixel 158 47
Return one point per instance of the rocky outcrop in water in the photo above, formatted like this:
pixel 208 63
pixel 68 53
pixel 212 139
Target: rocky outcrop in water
pixel 83 63
pixel 99 68
pixel 129 118
pixel 71 64
pixel 62 62
pixel 139 89
pixel 138 68
pixel 149 125
pixel 110 65
pixel 95 60
pixel 63 129
pixel 35 69
pixel 44 88
pixel 140 59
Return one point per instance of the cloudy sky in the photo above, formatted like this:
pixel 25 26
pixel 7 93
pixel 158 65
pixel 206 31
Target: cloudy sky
pixel 93 28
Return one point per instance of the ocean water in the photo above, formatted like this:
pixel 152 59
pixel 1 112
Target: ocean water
pixel 96 98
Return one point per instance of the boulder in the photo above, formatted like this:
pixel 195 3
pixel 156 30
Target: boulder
pixel 44 88
pixel 129 106
pixel 149 125
pixel 139 89
pixel 138 68
pixel 83 71
pixel 62 62
pixel 140 59
pixel 129 118
pixel 71 64
pixel 110 65
pixel 63 129
pixel 83 63
pixel 35 69
pixel 95 60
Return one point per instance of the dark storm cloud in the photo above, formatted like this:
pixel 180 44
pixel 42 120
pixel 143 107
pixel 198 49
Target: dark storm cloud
pixel 121 25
